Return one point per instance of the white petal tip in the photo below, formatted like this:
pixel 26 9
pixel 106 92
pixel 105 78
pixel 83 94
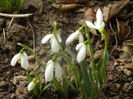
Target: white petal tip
pixel 31 86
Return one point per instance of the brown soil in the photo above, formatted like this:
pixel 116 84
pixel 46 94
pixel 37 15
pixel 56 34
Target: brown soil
pixel 13 83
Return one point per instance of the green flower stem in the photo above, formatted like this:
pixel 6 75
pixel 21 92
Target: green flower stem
pixel 95 79
pixel 102 31
pixel 21 51
pixel 48 85
pixel 54 58
pixel 104 58
pixel 91 53
pixel 89 42
pixel 86 80
pixel 55 34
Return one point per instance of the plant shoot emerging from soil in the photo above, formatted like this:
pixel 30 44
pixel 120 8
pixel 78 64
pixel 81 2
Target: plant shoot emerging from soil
pixel 86 77
pixel 11 5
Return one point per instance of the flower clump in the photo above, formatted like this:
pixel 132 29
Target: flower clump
pixel 88 79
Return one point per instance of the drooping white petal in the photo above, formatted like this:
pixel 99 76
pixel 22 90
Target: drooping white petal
pixel 81 54
pixel 24 61
pixel 15 59
pixel 103 24
pixel 49 72
pixel 54 45
pixel 90 24
pixel 79 46
pixel 31 85
pixel 99 17
pixel 72 37
pixel 81 38
pixel 46 38
pixel 58 71
pixel 25 55
pixel 49 62
pixel 59 38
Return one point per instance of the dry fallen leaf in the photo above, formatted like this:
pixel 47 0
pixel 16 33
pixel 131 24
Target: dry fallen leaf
pixel 66 7
pixel 112 9
pixel 98 54
pixel 71 1
pixel 123 30
pixel 89 15
pixel 127 72
pixel 129 42
pixel 129 66
pixel 108 11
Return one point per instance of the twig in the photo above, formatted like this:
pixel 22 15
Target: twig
pixel 11 22
pixel 33 35
pixel 4 34
pixel 16 15
pixel 115 39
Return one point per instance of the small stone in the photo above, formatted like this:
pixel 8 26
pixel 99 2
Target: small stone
pixel 3 83
pixel 127 72
pixel 18 79
pixel 127 87
pixel 114 87
pixel 116 63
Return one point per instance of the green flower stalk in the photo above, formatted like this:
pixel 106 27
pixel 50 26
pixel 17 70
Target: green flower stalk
pixel 104 33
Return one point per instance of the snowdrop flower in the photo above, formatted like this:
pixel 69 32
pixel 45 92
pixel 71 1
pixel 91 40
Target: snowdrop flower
pixel 51 68
pixel 83 51
pixel 23 58
pixel 54 44
pixel 99 21
pixel 75 35
pixel 31 85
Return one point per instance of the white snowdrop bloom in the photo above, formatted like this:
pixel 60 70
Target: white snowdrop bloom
pixel 51 68
pixel 31 85
pixel 76 35
pixel 54 44
pixel 82 49
pixel 23 60
pixel 99 21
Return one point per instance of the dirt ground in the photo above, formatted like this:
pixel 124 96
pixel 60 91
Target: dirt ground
pixel 119 21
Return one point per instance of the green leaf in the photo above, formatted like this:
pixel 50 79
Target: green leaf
pixel 40 81
pixel 85 79
pixel 11 5
pixel 65 85
pixel 29 78
pixel 56 84
pixel 47 86
pixel 72 54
